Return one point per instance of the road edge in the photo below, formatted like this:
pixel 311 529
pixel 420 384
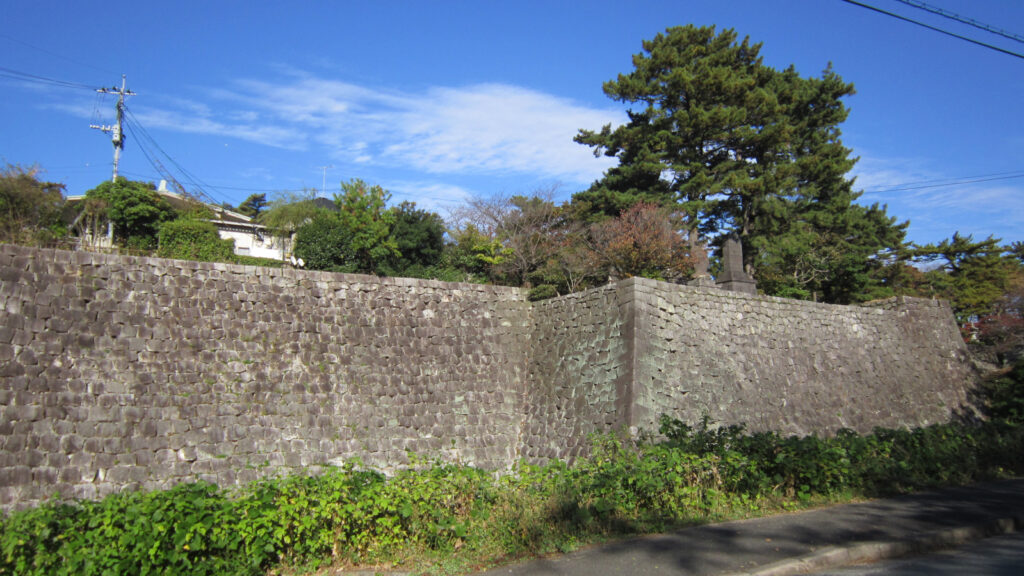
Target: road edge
pixel 873 551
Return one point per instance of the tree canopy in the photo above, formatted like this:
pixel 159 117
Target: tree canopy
pixel 418 237
pixel 30 209
pixel 253 205
pixel 135 209
pixel 356 237
pixel 737 146
pixel 287 212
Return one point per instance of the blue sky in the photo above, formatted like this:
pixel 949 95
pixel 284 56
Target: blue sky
pixel 437 101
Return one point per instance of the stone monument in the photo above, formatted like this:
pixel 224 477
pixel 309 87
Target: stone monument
pixel 701 277
pixel 733 277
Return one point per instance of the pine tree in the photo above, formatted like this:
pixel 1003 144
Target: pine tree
pixel 738 146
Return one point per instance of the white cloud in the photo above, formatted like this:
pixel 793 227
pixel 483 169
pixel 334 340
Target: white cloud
pixel 435 196
pixel 277 136
pixel 939 204
pixel 498 128
pixel 494 129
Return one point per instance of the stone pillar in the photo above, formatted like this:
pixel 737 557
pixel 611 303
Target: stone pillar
pixel 733 277
pixel 701 278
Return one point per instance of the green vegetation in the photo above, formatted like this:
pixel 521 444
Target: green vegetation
pixel 323 244
pixel 717 142
pixel 455 518
pixel 290 210
pixel 253 206
pixel 30 209
pixel 134 208
pixel 418 237
pixel 362 234
pixel 734 145
pixel 190 238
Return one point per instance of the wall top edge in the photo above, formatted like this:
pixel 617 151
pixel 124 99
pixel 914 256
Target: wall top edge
pixel 100 259
pixel 648 286
pixel 636 285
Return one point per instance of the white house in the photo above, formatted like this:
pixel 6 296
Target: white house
pixel 251 239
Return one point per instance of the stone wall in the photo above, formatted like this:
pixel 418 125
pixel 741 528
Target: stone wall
pixel 792 366
pixel 142 372
pixel 127 372
pixel 580 371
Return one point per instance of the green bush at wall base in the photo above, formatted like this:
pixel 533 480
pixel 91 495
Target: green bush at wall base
pixel 357 516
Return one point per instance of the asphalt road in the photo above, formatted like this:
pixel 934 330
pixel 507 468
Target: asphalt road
pixel 996 556
pixel 783 543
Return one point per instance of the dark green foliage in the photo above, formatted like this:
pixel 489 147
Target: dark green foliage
pixel 364 218
pixel 738 146
pixel 193 239
pixel 325 244
pixel 30 209
pixel 972 275
pixel 542 292
pixel 692 86
pixel 355 238
pixel 1003 397
pixel 418 236
pixel 253 205
pixel 349 515
pixel 884 462
pixel 134 208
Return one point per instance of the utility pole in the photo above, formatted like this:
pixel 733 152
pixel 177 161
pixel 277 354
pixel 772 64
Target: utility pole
pixel 116 130
pixel 324 168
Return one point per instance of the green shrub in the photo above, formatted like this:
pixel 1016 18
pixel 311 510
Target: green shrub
pixel 542 292
pixel 192 239
pixel 1003 397
pixel 353 516
pixel 257 261
pixel 324 243
pixel 186 530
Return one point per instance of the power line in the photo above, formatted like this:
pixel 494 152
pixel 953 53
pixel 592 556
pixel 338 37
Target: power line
pixel 61 56
pixel 936 29
pixel 197 191
pixel 962 19
pixel 199 188
pixel 941 183
pixel 26 77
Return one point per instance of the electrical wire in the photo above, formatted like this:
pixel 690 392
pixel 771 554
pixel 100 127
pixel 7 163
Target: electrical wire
pixel 943 182
pixel 962 19
pixel 26 77
pixel 145 140
pixel 301 190
pixel 61 56
pixel 936 29
pixel 150 147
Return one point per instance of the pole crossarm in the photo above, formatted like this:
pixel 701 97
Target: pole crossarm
pixel 117 130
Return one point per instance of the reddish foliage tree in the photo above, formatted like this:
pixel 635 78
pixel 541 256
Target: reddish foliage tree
pixel 643 241
pixel 1003 330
